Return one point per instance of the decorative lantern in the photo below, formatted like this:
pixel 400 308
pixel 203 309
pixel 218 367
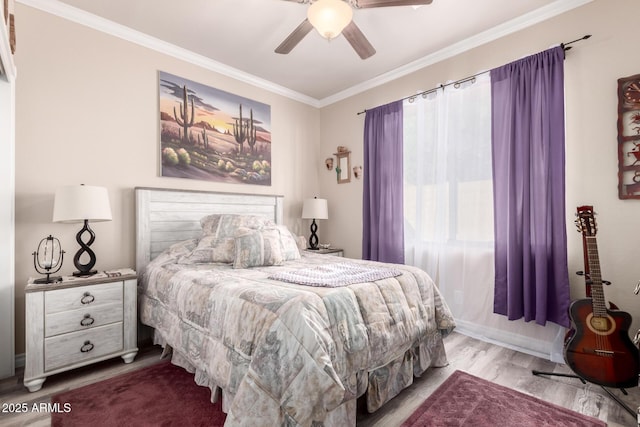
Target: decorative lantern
pixel 48 259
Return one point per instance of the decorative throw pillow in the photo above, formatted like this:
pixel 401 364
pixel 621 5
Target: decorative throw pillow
pixel 226 225
pixel 182 248
pixel 288 243
pixel 254 248
pixel 211 249
pixel 301 241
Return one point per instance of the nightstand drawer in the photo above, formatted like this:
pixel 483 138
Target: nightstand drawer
pixel 68 349
pixel 338 253
pixel 82 297
pixel 82 319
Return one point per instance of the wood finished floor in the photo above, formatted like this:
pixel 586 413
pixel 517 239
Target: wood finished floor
pixel 494 363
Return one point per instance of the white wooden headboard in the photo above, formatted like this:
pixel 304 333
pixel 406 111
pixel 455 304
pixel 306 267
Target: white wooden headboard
pixel 166 216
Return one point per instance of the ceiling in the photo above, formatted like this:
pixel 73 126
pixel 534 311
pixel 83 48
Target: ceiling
pixel 241 36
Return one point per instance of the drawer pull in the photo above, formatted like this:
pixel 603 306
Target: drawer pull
pixel 87 320
pixel 87 347
pixel 87 298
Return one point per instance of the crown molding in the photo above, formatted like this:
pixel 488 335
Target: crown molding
pixel 81 17
pixel 95 22
pixel 546 12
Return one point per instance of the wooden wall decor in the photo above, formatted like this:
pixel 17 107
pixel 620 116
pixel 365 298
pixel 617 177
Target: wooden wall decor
pixel 12 33
pixel 10 23
pixel 343 165
pixel 629 137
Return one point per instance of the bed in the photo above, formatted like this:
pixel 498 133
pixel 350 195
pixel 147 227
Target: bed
pixel 275 351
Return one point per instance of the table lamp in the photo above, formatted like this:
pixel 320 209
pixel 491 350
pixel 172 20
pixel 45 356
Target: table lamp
pixel 314 209
pixel 77 204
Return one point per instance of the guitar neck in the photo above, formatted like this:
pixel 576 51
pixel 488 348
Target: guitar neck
pixel 597 291
pixel 587 280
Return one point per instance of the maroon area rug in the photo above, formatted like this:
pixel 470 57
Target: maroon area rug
pixel 466 400
pixel 159 395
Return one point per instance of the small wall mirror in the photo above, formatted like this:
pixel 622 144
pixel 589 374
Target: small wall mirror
pixel 343 166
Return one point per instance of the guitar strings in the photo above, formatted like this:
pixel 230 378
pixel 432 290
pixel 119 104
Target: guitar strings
pixel 599 309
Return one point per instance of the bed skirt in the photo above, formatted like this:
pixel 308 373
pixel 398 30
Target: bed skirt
pixel 380 385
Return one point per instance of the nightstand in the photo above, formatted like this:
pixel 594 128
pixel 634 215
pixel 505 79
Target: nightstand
pixel 330 251
pixel 79 321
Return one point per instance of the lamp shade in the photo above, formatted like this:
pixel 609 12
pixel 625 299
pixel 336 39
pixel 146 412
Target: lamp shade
pixel 315 209
pixel 76 203
pixel 329 17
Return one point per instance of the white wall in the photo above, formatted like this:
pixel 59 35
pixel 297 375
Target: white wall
pixel 591 72
pixel 87 112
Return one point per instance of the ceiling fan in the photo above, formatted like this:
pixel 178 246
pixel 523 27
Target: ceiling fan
pixel 332 17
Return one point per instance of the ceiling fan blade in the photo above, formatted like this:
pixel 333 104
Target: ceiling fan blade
pixel 295 37
pixel 361 4
pixel 358 41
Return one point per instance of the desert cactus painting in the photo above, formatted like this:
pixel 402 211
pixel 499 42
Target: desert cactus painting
pixel 213 135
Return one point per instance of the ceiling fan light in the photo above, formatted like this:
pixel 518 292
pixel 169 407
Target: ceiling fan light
pixel 329 17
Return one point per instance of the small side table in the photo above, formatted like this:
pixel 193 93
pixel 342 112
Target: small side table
pixel 79 321
pixel 330 251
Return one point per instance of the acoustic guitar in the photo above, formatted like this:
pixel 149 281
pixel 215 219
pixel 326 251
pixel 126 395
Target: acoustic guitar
pixel 598 347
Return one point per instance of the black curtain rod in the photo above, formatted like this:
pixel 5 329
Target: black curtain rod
pixel 472 78
pixel 564 45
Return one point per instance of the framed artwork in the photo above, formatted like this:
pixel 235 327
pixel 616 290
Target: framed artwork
pixel 209 134
pixel 629 137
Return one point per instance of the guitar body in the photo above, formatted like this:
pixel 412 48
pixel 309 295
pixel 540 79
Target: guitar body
pixel 598 348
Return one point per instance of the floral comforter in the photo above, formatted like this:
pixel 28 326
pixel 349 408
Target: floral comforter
pixel 286 354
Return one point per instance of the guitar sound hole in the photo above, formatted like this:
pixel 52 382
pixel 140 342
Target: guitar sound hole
pixel 600 325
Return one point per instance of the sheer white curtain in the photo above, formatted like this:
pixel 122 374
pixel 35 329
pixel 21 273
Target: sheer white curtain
pixel 448 211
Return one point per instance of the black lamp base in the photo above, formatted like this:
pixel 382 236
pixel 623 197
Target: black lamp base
pixel 313 239
pixel 85 269
pixel 84 274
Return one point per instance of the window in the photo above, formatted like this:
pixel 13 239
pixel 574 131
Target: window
pixel 447 164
